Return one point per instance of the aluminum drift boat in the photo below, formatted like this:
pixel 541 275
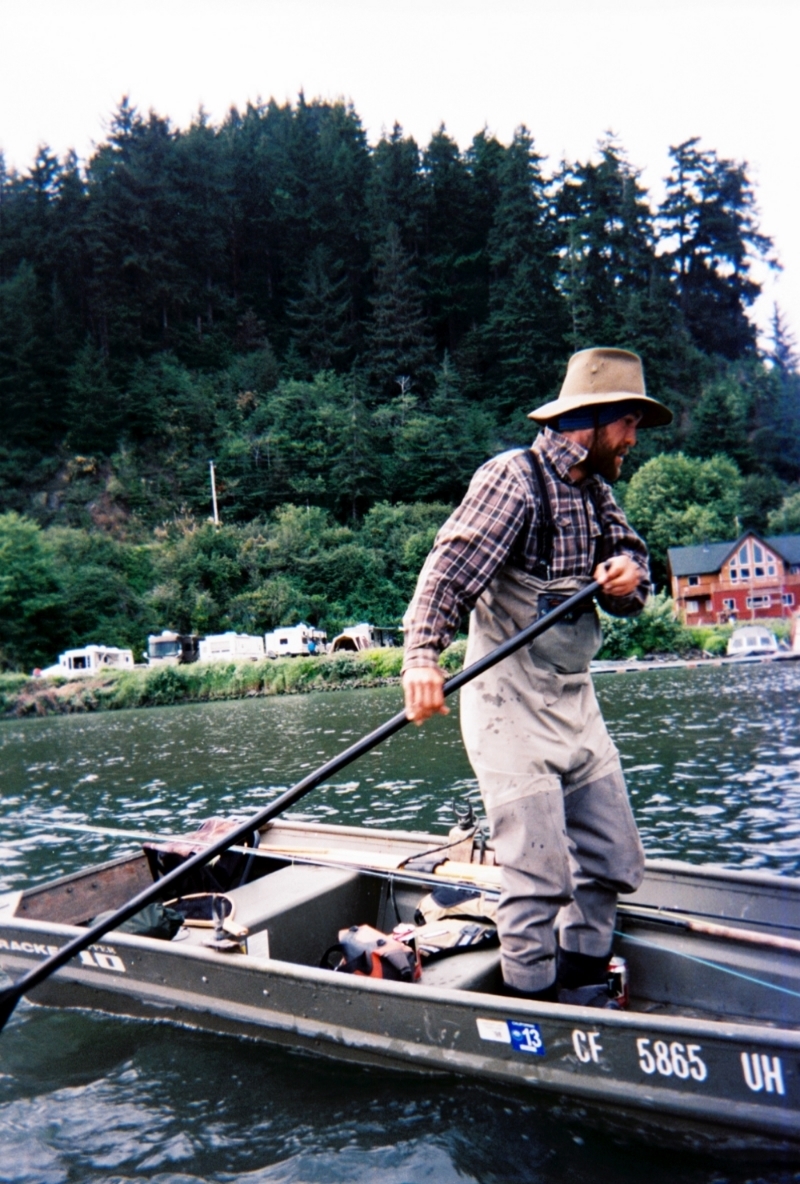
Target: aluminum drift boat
pixel 708 1052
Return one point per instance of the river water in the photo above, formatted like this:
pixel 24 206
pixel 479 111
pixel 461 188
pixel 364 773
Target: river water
pixel 712 758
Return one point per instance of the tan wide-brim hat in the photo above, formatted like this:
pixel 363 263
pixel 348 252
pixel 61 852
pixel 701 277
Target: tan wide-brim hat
pixel 597 376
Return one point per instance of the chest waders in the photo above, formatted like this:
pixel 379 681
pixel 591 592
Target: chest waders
pixel 549 773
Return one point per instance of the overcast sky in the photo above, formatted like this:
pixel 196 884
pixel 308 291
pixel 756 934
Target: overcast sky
pixel 656 72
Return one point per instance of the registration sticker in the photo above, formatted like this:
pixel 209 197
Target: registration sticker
pixel 526 1037
pixel 522 1037
pixel 496 1030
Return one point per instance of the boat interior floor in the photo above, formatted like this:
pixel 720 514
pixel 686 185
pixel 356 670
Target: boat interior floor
pixel 294 912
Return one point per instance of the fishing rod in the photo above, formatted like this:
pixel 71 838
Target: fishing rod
pixel 466 876
pixel 10 997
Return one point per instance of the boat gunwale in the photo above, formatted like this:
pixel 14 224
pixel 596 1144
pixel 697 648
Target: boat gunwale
pixel 728 1030
pixel 656 867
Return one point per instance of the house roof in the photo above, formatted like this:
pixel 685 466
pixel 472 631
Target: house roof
pixel 701 560
pixel 707 558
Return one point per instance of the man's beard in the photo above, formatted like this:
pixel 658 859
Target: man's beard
pixel 603 458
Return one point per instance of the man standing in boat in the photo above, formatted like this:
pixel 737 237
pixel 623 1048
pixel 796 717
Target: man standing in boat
pixel 535 526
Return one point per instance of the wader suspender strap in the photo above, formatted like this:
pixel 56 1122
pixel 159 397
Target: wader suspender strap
pixel 546 527
pixel 599 539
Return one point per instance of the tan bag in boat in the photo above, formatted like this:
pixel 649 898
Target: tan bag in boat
pixel 449 901
pixel 440 939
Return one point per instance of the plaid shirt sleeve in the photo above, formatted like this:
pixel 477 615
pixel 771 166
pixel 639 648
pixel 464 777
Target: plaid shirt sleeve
pixel 474 542
pixel 619 538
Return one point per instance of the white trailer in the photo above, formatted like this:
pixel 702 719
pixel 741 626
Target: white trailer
pixel 89 660
pixel 231 647
pixel 295 640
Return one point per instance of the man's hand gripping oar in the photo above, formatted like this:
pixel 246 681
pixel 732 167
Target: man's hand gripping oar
pixel 424 686
pixel 11 996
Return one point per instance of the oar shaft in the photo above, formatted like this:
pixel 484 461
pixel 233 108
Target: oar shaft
pixel 11 996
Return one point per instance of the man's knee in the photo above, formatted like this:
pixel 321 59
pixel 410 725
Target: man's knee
pixel 606 840
pixel 529 836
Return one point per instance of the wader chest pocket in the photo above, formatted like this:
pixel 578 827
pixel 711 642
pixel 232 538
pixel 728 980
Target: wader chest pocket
pixel 547 602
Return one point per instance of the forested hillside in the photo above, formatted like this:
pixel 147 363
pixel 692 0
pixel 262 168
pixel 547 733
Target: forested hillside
pixel 348 331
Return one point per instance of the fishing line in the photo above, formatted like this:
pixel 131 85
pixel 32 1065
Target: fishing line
pixel 749 978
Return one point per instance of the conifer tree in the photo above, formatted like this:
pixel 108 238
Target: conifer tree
pixel 398 346
pixel 396 190
pixel 450 246
pixel 524 330
pixel 710 230
pixel 608 247
pixel 320 318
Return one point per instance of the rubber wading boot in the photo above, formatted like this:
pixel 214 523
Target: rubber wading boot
pixel 583 980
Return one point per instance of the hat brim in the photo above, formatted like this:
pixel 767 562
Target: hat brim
pixel 654 414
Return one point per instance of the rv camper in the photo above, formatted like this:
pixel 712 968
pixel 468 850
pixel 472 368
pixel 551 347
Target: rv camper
pixel 172 649
pixel 88 660
pixel 231 647
pixel 295 641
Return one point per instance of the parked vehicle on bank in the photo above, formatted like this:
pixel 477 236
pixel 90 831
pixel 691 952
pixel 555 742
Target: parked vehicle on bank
pixel 295 640
pixel 172 649
pixel 88 660
pixel 750 640
pixel 364 637
pixel 231 647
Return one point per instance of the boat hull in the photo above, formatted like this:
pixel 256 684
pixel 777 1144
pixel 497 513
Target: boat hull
pixel 727 1084
pixel 708 1055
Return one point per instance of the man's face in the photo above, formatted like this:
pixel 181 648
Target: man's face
pixel 611 445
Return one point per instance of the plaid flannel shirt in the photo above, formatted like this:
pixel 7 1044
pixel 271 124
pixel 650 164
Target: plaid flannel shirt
pixel 497 523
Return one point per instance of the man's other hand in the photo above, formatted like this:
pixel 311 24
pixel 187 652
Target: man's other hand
pixel 422 687
pixel 619 576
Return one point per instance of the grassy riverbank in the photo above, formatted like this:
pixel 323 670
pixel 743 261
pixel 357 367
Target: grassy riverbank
pixel 653 633
pixel 159 687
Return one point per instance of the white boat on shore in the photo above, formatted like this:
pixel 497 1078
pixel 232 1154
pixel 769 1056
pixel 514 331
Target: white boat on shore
pixel 751 641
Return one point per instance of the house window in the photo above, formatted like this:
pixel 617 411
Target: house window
pixel 755 558
pixel 759 601
pixel 694 581
pixel 788 598
pixel 692 606
pixel 729 603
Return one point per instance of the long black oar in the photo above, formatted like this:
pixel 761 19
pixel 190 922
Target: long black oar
pixel 12 995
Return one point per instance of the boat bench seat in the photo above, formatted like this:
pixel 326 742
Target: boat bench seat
pixel 295 913
pixel 473 970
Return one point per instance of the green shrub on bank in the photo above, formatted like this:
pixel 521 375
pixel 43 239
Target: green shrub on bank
pixel 10 687
pixel 654 631
pixel 452 659
pixel 710 639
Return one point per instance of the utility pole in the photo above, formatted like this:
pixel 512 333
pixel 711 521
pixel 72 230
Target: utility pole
pixel 215 515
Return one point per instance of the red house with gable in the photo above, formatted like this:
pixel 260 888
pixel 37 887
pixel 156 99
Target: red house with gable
pixel 747 580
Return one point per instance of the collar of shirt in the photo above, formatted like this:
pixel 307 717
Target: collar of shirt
pixel 562 453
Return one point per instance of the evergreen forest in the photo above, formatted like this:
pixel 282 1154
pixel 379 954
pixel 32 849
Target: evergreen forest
pixel 347 330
